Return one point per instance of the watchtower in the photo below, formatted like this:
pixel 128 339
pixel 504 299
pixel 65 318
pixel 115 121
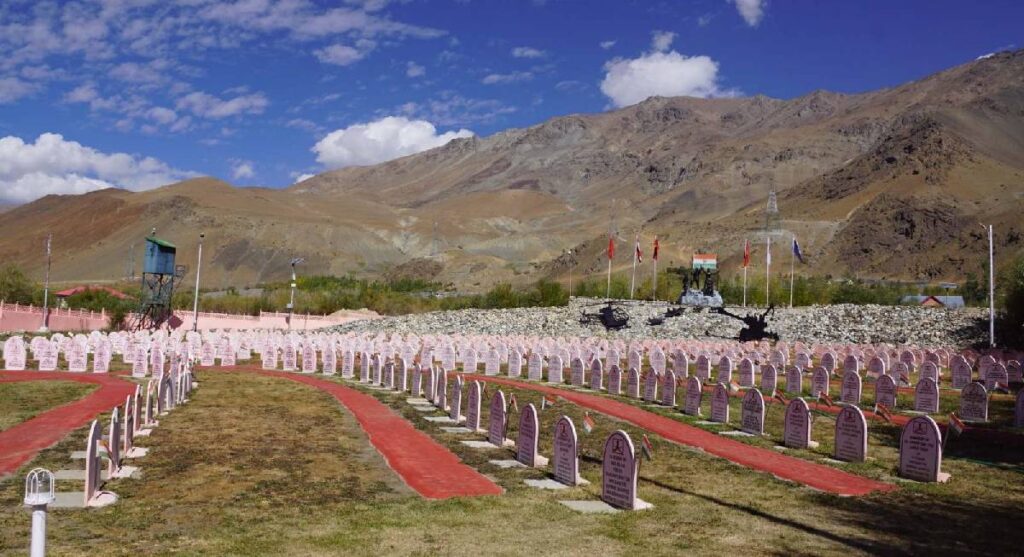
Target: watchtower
pixel 159 274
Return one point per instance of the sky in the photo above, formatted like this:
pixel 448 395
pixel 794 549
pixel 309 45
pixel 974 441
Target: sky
pixel 140 93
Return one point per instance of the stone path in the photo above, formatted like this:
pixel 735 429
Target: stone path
pixel 817 476
pixel 22 442
pixel 423 464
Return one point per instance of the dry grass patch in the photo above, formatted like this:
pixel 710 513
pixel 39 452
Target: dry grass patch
pixel 20 401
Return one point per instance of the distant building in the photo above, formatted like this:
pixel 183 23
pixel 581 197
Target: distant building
pixel 951 302
pixel 63 295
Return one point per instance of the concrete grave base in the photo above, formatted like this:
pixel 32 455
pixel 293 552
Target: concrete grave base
pixel 76 500
pixel 440 419
pixel 76 475
pixel 482 444
pixel 706 422
pixel 425 408
pixel 143 433
pixel 126 472
pixel 590 507
pixel 417 400
pixel 546 484
pixel 507 463
pixel 813 445
pixel 542 462
pixel 832 461
pixel 137 452
pixel 736 433
pixel 459 430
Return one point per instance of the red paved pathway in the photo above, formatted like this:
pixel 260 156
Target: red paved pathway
pixel 423 464
pixel 22 442
pixel 818 476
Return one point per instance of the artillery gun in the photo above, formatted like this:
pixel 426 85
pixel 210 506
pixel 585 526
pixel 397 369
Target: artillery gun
pixel 756 326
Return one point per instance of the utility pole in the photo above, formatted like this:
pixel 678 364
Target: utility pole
pixel 569 252
pixel 46 287
pixel 291 301
pixel 195 299
pixel 991 290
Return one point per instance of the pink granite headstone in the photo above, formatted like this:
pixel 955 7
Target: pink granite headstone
pixel 720 404
pixel 619 472
pixel 769 379
pixel 576 374
pixel 476 393
pixel 851 441
pixel 926 396
pixel 851 389
pixel 996 377
pixel 668 390
pixel 535 367
pixel 615 380
pixel 691 402
pixel 455 400
pixel 633 383
pixel 703 371
pixel 496 420
pixel 820 382
pixel 794 380
pixel 566 450
pixel 746 373
pixel 797 425
pixel 515 364
pixel 651 381
pixel 469 361
pixel 680 365
pixel 752 412
pixel 527 442
pixel 921 451
pixel 974 402
pixel 960 372
pixel 828 361
pixel 441 390
pixel 596 375
pixel 725 370
pixel 885 392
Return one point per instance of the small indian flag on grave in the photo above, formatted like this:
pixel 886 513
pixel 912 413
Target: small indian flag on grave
pixel 513 404
pixel 781 398
pixel 825 399
pixel 882 412
pixel 905 379
pixel 647 448
pixel 1001 388
pixel 548 400
pixel 956 426
pixel 734 387
pixel 588 422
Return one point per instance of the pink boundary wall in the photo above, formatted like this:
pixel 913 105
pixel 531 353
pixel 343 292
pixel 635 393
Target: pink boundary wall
pixel 16 317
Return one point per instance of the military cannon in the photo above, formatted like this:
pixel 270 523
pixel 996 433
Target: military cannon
pixel 755 326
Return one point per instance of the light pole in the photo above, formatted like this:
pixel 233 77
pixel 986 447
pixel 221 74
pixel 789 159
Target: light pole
pixel 991 290
pixel 195 299
pixel 569 252
pixel 46 288
pixel 291 301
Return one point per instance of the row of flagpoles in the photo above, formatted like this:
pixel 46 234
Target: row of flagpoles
pixel 638 258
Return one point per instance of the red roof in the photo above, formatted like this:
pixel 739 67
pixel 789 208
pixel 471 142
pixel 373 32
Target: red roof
pixel 79 289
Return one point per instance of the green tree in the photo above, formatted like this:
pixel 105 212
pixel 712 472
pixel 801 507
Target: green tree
pixel 15 287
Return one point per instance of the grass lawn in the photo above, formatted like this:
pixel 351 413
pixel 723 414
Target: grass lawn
pixel 262 466
pixel 20 401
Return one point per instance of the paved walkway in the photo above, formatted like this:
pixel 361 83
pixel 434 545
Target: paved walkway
pixel 22 442
pixel 818 476
pixel 423 464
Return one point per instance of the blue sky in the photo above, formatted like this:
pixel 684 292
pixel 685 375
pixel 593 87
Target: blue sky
pixel 138 93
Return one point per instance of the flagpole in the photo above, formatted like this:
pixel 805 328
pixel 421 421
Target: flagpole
pixel 768 273
pixel 654 295
pixel 744 286
pixel 632 282
pixel 792 266
pixel 608 291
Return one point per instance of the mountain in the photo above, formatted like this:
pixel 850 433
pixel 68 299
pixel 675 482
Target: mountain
pixel 890 183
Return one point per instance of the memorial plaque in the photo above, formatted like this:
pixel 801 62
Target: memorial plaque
pixel 820 382
pixel 851 442
pixel 876 366
pixel 651 386
pixel 633 383
pixel 615 380
pixel 996 377
pixel 752 412
pixel 725 370
pixel 720 404
pixel 681 365
pixel 78 358
pixel 794 380
pixel 797 425
pixel 496 420
pixel 596 375
pixel 984 364
pixel 769 379
pixel 703 368
pixel 619 471
pixel 921 450
pixel 926 397
pixel 746 373
pixel 567 462
pixel 974 402
pixel 634 360
pixel 469 361
pixel 851 363
pixel 268 359
pixel 885 392
pixel 691 402
pixel 668 389
pixel 527 441
pixel 308 358
pixel 851 389
pixel 828 361
pixel 455 400
pixel 657 359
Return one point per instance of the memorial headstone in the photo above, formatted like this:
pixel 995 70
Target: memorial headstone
pixel 769 379
pixel 597 375
pixel 496 420
pixel 974 402
pixel 691 402
pixel 720 404
pixel 851 389
pixel 794 380
pixel 926 396
pixel 960 372
pixel 651 386
pixel 820 382
pixel 619 472
pixel 614 380
pixel 921 450
pixel 476 393
pixel 527 441
pixel 566 451
pixel 633 383
pixel 797 425
pixel 668 389
pixel 851 441
pixel 752 412
pixel 885 392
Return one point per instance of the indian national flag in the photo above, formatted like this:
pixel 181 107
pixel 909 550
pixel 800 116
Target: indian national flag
pixel 647 448
pixel 882 412
pixel 588 422
pixel 956 426
pixel 734 387
pixel 827 400
pixel 548 400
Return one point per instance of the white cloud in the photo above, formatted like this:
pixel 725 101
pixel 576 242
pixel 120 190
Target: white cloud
pixel 12 89
pixel 412 69
pixel 752 11
pixel 630 80
pixel 302 177
pixel 498 78
pixel 54 165
pixel 162 115
pixel 528 52
pixel 131 72
pixel 661 41
pixel 607 44
pixel 241 170
pixel 379 141
pixel 208 106
pixel 344 55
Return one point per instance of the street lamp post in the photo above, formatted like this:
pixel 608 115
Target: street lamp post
pixel 291 301
pixel 195 299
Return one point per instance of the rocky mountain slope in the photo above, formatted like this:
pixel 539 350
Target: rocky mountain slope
pixel 890 183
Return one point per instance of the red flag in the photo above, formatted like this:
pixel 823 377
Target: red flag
pixel 655 254
pixel 956 426
pixel 588 422
pixel 746 253
pixel 639 254
pixel 647 448
pixel 611 247
pixel 883 413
